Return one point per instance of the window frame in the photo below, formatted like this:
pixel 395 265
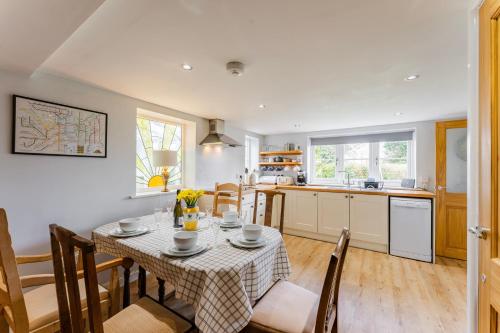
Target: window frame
pixel 373 166
pixel 249 139
pixel 166 120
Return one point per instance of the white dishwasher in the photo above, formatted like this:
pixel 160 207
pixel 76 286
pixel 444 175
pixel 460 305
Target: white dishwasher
pixel 410 233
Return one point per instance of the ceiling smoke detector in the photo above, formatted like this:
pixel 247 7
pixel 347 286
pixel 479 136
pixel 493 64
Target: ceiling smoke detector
pixel 235 68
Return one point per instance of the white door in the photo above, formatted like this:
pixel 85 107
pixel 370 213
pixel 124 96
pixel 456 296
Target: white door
pixel 369 218
pixel 305 211
pixel 333 213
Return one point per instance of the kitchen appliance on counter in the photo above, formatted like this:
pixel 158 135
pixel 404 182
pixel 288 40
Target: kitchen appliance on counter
pixel 284 180
pixel 371 184
pixel 301 178
pixel 410 228
pixel 271 180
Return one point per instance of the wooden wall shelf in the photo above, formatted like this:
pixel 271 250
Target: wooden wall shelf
pixel 283 152
pixel 280 163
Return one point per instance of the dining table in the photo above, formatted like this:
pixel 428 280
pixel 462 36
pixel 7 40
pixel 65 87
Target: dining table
pixel 221 283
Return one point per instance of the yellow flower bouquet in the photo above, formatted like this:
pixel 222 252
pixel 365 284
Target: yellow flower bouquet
pixel 191 212
pixel 190 196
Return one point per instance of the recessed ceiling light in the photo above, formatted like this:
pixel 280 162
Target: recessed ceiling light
pixel 187 67
pixel 412 77
pixel 398 114
pixel 262 106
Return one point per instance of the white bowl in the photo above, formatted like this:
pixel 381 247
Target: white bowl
pixel 130 224
pixel 230 216
pixel 185 240
pixel 252 232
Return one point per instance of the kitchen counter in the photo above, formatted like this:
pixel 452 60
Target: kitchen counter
pixel 321 188
pixel 385 192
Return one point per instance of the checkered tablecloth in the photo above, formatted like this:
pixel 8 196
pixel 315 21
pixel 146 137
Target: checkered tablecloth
pixel 220 283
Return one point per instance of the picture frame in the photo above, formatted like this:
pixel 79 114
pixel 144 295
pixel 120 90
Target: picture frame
pixel 42 127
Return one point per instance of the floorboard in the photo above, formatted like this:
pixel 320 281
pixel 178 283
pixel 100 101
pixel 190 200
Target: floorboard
pixel 383 293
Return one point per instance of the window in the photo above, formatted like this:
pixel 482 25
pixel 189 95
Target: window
pixel 389 160
pixel 157 134
pixel 393 160
pixel 251 153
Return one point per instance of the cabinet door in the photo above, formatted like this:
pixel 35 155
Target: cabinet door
pixel 369 218
pixel 288 221
pixel 248 210
pixel 305 211
pixel 333 213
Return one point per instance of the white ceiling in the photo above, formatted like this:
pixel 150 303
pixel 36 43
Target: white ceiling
pixel 30 31
pixel 323 64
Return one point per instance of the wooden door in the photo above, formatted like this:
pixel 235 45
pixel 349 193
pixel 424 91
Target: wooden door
pixel 305 211
pixel 488 228
pixel 333 213
pixel 369 218
pixel 451 189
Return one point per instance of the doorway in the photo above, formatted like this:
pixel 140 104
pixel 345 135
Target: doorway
pixel 451 189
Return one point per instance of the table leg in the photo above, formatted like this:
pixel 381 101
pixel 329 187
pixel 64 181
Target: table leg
pixel 161 290
pixel 142 282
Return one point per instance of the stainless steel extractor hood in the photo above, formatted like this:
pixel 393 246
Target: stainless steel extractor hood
pixel 216 135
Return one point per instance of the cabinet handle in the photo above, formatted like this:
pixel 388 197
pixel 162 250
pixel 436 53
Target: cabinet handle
pixel 352 196
pixel 260 215
pixel 243 198
pixel 346 196
pixel 315 194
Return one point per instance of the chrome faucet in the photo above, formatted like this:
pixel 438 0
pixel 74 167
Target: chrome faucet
pixel 348 178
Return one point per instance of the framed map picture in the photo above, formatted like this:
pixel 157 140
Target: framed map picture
pixel 46 128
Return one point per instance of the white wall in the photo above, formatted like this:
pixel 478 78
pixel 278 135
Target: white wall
pixel 424 150
pixel 473 167
pixel 82 193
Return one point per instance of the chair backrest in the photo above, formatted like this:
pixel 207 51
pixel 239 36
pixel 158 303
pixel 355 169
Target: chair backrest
pixel 268 213
pixel 63 243
pixel 330 292
pixel 12 306
pixel 221 198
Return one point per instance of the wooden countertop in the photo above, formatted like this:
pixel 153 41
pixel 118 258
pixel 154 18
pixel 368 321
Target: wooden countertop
pixel 386 192
pixel 316 188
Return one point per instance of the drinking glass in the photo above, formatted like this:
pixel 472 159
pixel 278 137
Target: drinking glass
pixel 167 212
pixel 214 226
pixel 209 211
pixel 242 216
pixel 157 215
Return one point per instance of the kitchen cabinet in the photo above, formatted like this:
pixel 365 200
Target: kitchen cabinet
pixel 333 213
pixel 323 215
pixel 304 211
pixel 369 218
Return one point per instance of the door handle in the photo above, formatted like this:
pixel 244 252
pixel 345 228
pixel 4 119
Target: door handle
pixel 440 188
pixel 479 231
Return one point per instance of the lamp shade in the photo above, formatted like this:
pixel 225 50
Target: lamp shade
pixel 164 158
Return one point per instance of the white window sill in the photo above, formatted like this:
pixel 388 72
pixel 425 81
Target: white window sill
pixel 152 194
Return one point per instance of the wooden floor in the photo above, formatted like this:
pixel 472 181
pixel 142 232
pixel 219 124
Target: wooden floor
pixel 382 293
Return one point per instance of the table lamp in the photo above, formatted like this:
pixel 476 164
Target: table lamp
pixel 164 159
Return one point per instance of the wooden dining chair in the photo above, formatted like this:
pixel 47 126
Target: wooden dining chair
pixel 289 308
pixel 144 316
pixel 221 197
pixel 268 213
pixel 36 310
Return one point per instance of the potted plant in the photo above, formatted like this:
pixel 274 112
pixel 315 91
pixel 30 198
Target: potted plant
pixel 191 211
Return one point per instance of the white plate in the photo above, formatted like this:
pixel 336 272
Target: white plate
pixel 119 233
pixel 172 251
pixel 230 225
pixel 236 242
pixel 242 239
